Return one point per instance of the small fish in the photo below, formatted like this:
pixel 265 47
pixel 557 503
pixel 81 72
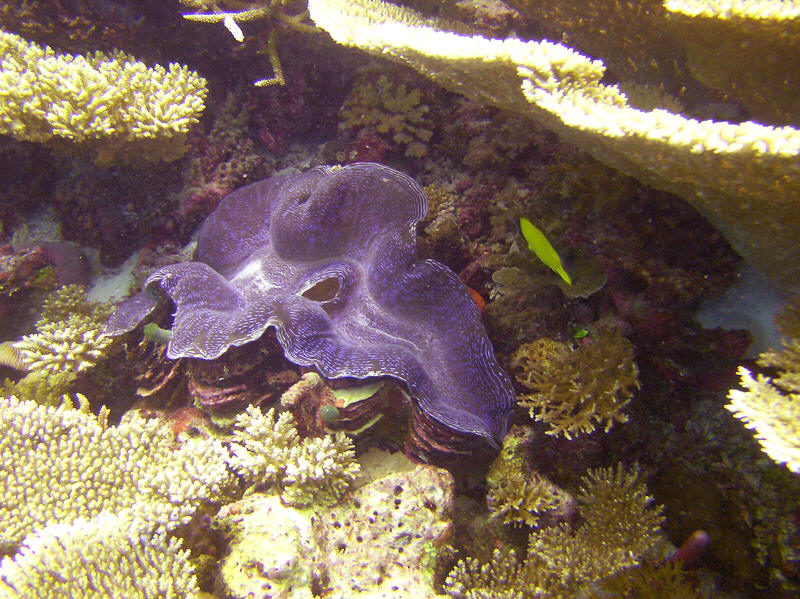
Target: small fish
pixel 10 356
pixel 538 244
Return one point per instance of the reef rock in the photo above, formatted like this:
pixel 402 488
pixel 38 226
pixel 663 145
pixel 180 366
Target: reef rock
pixel 380 542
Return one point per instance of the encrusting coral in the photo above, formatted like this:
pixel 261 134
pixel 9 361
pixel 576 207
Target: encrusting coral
pixel 382 542
pixel 111 104
pixel 575 390
pixel 619 526
pixel 389 108
pixel 771 406
pixel 723 169
pixel 269 451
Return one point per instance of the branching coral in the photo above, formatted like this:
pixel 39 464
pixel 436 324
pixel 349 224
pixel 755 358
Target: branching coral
pixel 69 339
pixel 771 406
pixel 389 108
pixel 98 559
pixel 576 390
pixel 721 168
pixel 238 11
pixel 516 493
pixel 619 526
pixel 109 103
pixel 58 465
pixel 268 451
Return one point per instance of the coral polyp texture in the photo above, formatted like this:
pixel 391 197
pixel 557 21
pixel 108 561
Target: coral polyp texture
pixel 62 464
pixel 576 390
pixel 771 406
pixel 109 103
pixel 723 169
pixel 381 543
pixel 328 258
pixel 98 559
pixel 268 450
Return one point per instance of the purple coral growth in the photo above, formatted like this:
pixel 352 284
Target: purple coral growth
pixel 328 257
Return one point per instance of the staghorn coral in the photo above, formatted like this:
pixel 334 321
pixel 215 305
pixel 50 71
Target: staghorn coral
pixel 619 526
pixel 98 559
pixel 771 406
pixel 58 465
pixel 110 104
pixel 389 109
pixel 575 390
pixel 722 169
pixel 312 470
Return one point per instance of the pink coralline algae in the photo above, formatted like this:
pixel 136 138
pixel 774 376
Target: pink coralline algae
pixel 328 258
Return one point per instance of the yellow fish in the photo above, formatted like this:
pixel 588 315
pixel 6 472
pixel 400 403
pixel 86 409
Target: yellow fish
pixel 538 244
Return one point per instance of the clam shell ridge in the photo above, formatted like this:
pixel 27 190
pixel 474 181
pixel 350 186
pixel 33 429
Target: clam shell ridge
pixel 328 257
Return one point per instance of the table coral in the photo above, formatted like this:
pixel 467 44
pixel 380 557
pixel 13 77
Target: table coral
pixel 110 103
pixel 723 169
pixel 328 258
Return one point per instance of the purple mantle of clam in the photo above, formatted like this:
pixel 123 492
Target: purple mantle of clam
pixel 328 257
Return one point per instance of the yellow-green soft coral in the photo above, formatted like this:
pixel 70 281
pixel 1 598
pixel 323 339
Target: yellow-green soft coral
pixel 771 406
pixel 109 103
pixel 268 450
pixel 516 493
pixel 389 108
pixel 575 390
pixel 619 526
